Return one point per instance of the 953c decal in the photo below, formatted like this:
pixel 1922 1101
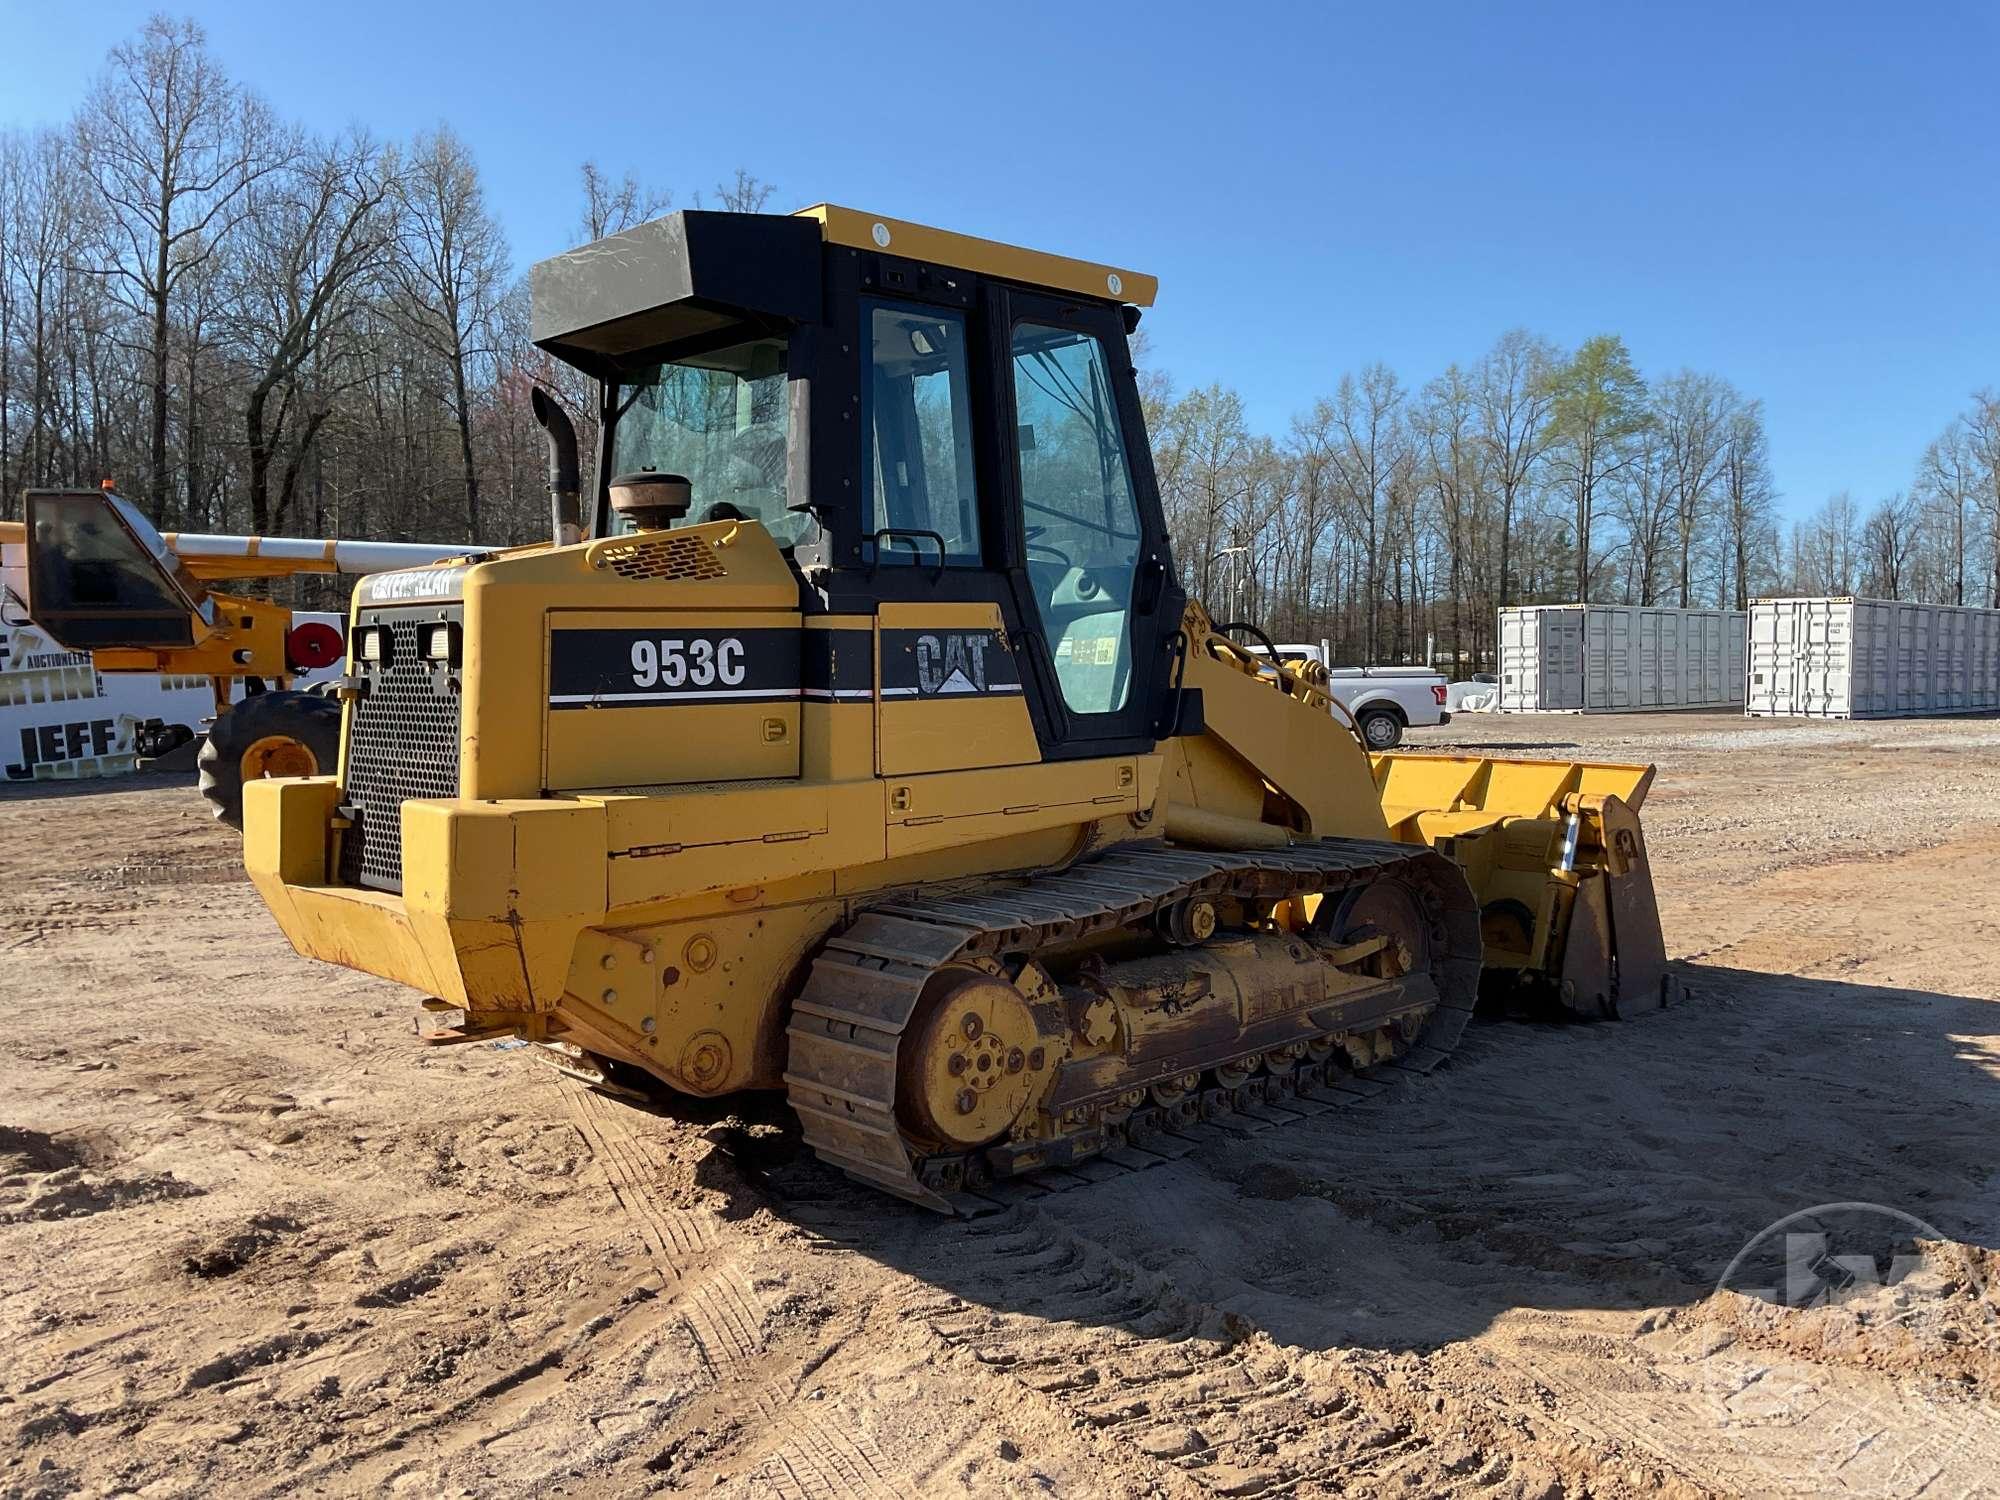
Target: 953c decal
pixel 657 666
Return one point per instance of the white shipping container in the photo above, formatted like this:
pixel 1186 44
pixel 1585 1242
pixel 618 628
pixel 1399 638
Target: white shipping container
pixel 1620 658
pixel 1871 659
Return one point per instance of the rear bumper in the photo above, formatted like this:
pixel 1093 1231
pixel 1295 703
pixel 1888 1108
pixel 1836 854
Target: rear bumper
pixel 1444 718
pixel 494 894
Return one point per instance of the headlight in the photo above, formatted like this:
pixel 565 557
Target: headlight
pixel 439 642
pixel 371 644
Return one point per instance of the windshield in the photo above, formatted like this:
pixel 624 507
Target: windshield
pixel 717 419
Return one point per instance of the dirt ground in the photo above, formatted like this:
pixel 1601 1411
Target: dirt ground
pixel 254 1239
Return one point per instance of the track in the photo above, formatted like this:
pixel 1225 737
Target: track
pixel 866 985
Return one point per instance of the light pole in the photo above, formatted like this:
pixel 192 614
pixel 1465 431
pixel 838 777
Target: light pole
pixel 1228 589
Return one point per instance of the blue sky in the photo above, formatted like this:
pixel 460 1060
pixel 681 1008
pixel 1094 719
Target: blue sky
pixel 1799 197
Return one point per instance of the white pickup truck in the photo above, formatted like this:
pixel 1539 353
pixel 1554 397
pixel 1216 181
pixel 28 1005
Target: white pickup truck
pixel 1384 700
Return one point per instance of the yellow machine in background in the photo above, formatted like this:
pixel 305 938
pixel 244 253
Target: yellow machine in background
pixel 101 579
pixel 871 748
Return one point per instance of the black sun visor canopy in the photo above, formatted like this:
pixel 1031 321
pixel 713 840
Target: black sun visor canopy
pixel 675 278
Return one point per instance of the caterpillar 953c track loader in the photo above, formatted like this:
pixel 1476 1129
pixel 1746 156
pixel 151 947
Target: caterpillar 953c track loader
pixel 870 748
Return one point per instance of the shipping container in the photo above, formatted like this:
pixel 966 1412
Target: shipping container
pixel 1620 658
pixel 1871 659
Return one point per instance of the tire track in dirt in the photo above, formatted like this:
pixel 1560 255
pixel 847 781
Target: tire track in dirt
pixel 1143 1359
pixel 725 1318
pixel 1580 1218
pixel 819 1461
pixel 1127 1353
pixel 708 1311
pixel 674 1237
pixel 722 1314
pixel 1521 1278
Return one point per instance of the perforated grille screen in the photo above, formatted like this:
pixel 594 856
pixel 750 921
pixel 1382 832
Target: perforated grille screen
pixel 665 557
pixel 404 744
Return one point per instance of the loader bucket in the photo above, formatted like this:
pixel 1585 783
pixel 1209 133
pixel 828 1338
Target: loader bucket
pixel 1557 859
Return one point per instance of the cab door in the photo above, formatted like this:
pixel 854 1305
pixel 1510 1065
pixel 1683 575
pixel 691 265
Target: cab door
pixel 1094 581
pixel 949 689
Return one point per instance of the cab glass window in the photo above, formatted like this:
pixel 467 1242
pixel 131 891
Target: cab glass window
pixel 1081 522
pixel 719 420
pixel 917 423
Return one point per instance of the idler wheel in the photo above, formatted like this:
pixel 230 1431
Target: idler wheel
pixel 973 1064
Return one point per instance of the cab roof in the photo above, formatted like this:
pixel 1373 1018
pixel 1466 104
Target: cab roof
pixel 696 271
pixel 863 231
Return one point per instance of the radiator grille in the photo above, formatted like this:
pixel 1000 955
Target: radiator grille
pixel 664 557
pixel 404 743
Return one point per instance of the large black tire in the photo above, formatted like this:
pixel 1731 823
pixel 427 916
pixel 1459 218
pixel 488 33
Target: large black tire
pixel 244 738
pixel 1381 727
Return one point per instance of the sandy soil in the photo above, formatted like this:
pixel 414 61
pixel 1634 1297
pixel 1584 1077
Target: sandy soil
pixel 254 1239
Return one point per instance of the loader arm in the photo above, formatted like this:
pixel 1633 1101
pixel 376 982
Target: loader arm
pixel 1271 750
pixel 1553 850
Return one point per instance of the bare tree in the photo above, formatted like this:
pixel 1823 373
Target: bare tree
pixel 173 149
pixel 1203 478
pixel 1514 391
pixel 12 172
pixel 1366 415
pixel 1825 548
pixel 609 207
pixel 1692 413
pixel 746 194
pixel 1888 536
pixel 1948 478
pixel 451 265
pixel 1982 431
pixel 320 233
pixel 1747 497
pixel 197 311
pixel 1310 457
pixel 1446 423
pixel 1644 501
pixel 41 250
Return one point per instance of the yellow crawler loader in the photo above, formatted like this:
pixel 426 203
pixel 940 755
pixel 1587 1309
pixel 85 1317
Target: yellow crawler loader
pixel 868 748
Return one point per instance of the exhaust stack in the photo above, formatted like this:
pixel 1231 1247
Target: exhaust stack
pixel 565 481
